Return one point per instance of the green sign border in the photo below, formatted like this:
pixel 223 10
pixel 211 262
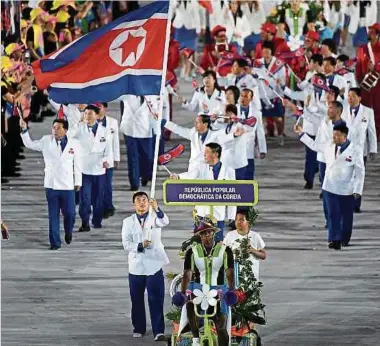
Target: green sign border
pixel 212 182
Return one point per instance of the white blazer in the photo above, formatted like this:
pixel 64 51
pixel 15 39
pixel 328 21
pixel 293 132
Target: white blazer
pixel 207 105
pixel 281 74
pixel 204 172
pixel 345 173
pixel 197 147
pixel 256 132
pixel 255 19
pixel 362 130
pixel 112 127
pixel 188 16
pixel 152 259
pixel 323 137
pixel 232 154
pixel 63 170
pixel 246 82
pixel 216 17
pixel 96 149
pixel 241 28
pixel 72 114
pixel 136 121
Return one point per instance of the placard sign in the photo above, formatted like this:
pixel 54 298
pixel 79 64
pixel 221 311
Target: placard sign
pixel 211 192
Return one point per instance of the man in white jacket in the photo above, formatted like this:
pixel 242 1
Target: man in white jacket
pixel 199 136
pixel 141 236
pixel 212 169
pixel 343 183
pixel 111 125
pixel 96 144
pixel 361 123
pixel 63 175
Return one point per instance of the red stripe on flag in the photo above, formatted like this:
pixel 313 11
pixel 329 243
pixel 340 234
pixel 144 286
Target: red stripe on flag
pixel 96 62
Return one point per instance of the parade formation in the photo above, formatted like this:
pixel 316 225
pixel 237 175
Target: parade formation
pixel 257 69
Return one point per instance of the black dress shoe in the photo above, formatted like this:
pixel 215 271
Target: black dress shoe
pixel 345 244
pixel 96 226
pixel 321 195
pixel 84 228
pixel 68 238
pixel 133 188
pixel 357 210
pixel 308 186
pixel 144 182
pixel 335 245
pixel 108 213
pixel 4 181
pixel 20 157
pixel 54 247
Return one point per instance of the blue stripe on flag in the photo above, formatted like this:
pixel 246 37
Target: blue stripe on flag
pixel 106 92
pixel 76 49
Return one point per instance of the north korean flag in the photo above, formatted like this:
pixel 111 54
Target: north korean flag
pixel 124 57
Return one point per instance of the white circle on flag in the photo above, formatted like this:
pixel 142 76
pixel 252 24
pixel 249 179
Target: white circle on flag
pixel 116 49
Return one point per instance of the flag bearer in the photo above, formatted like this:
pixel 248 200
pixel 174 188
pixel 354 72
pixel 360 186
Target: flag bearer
pixel 63 175
pixel 141 236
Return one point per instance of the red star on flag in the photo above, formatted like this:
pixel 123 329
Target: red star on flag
pixel 129 45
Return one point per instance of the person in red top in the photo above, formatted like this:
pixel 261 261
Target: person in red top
pixel 173 63
pixel 299 64
pixel 211 52
pixel 365 65
pixel 268 33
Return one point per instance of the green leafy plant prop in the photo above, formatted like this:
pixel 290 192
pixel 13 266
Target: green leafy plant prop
pixel 249 308
pixel 174 315
pixel 277 13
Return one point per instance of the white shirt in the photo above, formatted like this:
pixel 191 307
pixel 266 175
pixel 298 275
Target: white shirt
pixel 344 171
pixel 113 127
pixel 197 146
pixel 152 259
pixel 256 242
pixel 207 105
pixel 256 132
pixel 63 170
pixel 137 120
pixel 97 149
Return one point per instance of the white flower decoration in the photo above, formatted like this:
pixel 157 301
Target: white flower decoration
pixel 205 298
pixel 295 42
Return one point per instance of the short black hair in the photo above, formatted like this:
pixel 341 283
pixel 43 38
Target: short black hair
pixel 331 60
pixel 242 63
pixel 235 90
pixel 93 108
pixel 329 42
pixel 247 90
pixel 338 105
pixel 342 128
pixel 317 58
pixel 335 90
pixel 343 58
pixel 215 148
pixel 242 212
pixel 139 194
pixel 232 109
pixel 357 91
pixel 205 119
pixel 269 45
pixel 64 122
pixel 105 104
pixel 209 73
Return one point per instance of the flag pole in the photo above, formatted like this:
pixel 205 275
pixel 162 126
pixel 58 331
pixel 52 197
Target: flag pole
pixel 161 104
